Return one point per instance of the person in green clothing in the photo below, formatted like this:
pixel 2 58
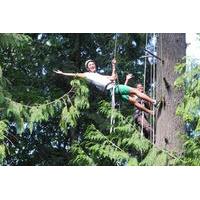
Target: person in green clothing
pixel 105 82
pixel 141 119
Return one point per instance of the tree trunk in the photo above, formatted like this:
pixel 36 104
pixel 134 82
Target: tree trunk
pixel 171 49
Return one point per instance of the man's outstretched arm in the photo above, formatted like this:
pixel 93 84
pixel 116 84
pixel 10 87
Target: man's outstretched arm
pixel 79 75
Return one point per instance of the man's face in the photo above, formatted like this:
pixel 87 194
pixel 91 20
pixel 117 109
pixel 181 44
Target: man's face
pixel 140 88
pixel 91 67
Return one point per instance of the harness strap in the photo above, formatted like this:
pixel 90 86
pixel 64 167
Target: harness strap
pixel 105 88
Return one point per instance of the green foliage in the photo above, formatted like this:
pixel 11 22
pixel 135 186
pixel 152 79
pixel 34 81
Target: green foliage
pixel 6 41
pixel 179 82
pixel 82 93
pixel 103 150
pixel 136 142
pixel 125 129
pixel 123 146
pixel 70 115
pixel 2 153
pixel 189 82
pixel 80 158
pixel 156 157
pixel 36 114
pixel 61 128
pixel 15 110
pixel 181 66
pixel 3 130
pixel 189 110
pixel 192 152
pixel 150 158
pixel 14 40
pixel 41 113
pixel 198 126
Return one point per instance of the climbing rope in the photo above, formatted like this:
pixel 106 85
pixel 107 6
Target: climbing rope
pixel 170 154
pixel 112 120
pixel 151 91
pixel 45 104
pixel 154 90
pixel 161 55
pixel 152 83
pixel 115 48
pixel 144 84
pixel 145 63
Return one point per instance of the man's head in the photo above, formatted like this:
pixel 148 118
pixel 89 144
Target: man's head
pixel 90 65
pixel 140 87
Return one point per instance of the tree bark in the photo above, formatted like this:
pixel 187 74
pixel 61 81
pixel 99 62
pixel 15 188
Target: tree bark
pixel 169 127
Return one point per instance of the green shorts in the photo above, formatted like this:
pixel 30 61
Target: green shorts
pixel 123 91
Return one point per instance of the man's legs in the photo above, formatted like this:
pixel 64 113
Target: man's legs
pixel 126 90
pixel 134 102
pixel 141 95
